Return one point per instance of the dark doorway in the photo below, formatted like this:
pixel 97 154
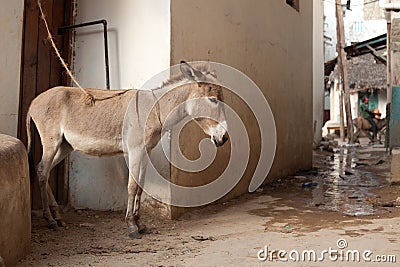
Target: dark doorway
pixel 40 71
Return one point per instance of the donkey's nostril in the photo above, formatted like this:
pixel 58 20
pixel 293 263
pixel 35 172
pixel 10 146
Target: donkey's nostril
pixel 224 138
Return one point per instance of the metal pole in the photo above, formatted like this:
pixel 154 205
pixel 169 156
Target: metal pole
pixel 105 31
pixel 106 54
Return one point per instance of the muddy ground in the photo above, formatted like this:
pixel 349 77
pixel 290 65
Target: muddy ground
pixel 346 196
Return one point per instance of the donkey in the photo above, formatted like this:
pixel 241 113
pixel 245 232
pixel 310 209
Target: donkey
pixel 65 124
pixel 363 125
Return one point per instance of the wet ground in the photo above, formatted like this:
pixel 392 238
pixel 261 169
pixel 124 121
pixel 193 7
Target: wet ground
pixel 347 196
pixel 347 178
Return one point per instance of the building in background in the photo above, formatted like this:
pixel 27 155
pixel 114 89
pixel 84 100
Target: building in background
pixel 364 20
pixel 365 25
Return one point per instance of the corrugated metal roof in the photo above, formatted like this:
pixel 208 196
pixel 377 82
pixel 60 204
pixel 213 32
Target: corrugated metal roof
pixel 366 66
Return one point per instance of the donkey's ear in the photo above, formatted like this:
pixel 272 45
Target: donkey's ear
pixel 191 73
pixel 213 73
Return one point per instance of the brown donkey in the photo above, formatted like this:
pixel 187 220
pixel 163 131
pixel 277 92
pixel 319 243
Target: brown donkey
pixel 65 124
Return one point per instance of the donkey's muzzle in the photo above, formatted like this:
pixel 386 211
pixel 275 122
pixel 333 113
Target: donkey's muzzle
pixel 221 141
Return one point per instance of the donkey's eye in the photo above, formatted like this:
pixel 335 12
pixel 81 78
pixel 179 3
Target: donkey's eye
pixel 213 99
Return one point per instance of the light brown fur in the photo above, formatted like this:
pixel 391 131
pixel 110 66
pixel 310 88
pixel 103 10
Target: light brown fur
pixel 363 125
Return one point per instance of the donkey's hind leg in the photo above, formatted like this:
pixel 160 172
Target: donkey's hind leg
pixel 49 151
pixel 54 209
pixel 61 154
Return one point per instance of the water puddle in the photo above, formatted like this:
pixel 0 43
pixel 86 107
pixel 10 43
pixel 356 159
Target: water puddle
pixel 344 185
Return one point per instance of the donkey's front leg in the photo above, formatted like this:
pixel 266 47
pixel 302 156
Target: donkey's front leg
pixel 135 160
pixel 136 215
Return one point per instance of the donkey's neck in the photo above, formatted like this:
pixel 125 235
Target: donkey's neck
pixel 173 97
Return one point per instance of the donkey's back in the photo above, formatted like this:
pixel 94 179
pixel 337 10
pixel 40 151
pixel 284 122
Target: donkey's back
pixel 60 115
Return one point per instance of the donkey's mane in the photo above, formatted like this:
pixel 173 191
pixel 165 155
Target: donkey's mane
pixel 205 68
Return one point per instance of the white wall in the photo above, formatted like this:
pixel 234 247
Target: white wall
pixel 382 101
pixel 139 46
pixel 318 70
pixel 330 30
pixel 11 20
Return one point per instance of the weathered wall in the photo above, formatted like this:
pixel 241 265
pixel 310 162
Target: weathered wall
pixel 318 70
pixel 139 41
pixel 15 212
pixel 267 40
pixel 395 167
pixel 271 43
pixel 11 17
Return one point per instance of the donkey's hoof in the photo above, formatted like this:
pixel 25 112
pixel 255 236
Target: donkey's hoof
pixel 53 226
pixel 135 235
pixel 143 229
pixel 61 223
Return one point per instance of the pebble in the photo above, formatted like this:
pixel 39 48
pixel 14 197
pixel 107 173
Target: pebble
pixel 397 202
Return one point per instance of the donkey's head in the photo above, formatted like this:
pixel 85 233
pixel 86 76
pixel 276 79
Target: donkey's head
pixel 205 103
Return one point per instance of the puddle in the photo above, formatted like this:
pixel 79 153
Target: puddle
pixel 343 186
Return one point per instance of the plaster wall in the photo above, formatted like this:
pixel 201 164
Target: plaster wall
pixel 11 20
pixel 139 41
pixel 270 42
pixel 318 70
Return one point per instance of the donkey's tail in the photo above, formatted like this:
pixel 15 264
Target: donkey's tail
pixel 29 146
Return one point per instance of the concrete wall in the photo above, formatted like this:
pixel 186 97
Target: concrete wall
pixel 395 167
pixel 11 18
pixel 267 40
pixel 271 43
pixel 318 70
pixel 139 41
pixel 15 208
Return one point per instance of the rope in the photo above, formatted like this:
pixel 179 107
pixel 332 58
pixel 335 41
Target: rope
pixel 88 98
pixel 198 124
pixel 158 113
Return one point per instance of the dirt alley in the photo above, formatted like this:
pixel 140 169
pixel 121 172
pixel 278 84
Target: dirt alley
pixel 346 196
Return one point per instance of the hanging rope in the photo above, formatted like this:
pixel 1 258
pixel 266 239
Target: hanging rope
pixel 88 98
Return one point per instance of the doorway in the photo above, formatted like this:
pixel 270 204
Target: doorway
pixel 40 71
